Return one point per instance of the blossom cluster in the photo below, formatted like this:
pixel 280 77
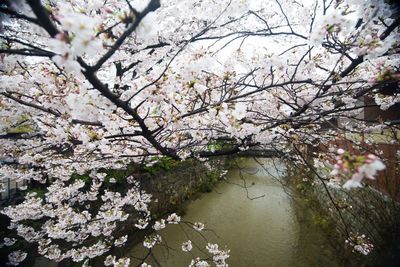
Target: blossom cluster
pixel 355 167
pixel 342 205
pixel 360 243
pixel 113 261
pixel 79 41
pixel 16 257
pixel 62 221
pixel 219 256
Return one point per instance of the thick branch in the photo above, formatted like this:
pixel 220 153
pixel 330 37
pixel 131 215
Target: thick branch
pixel 43 17
pixel 14 14
pixel 26 52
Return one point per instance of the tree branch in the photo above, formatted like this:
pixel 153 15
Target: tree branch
pixel 152 6
pixel 26 52
pixel 14 14
pixel 43 17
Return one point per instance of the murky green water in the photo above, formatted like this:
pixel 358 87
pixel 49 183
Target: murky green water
pixel 258 225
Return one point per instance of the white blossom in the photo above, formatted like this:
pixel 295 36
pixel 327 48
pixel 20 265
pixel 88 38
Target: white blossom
pixel 16 257
pixel 173 219
pixel 187 246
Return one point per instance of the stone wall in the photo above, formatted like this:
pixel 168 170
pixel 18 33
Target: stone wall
pixel 171 186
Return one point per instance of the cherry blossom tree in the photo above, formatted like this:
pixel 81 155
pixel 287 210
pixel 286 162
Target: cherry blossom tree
pixel 101 84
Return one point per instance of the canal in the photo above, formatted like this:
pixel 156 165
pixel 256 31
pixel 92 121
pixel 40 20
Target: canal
pixel 251 214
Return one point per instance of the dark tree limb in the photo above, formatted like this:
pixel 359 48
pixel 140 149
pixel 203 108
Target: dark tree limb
pixel 43 17
pixel 14 14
